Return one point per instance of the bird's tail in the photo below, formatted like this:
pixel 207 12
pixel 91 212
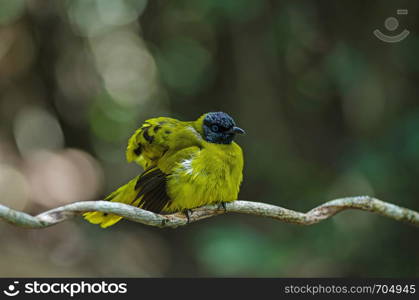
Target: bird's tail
pixel 125 194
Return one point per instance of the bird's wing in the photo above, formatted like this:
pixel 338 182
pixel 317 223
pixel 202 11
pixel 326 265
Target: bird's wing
pixel 148 190
pixel 158 146
pixel 158 136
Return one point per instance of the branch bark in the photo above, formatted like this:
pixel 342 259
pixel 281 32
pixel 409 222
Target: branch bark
pixel 317 214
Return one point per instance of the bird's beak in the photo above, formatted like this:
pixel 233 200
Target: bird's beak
pixel 238 130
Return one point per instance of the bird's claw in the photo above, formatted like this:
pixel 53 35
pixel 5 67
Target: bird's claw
pixel 223 206
pixel 188 214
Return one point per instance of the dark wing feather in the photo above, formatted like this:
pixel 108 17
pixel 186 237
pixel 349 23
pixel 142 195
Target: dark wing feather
pixel 151 186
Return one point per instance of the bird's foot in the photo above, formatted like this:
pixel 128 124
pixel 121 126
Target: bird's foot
pixel 188 214
pixel 222 205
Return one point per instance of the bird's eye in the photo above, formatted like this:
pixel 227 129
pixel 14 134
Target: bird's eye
pixel 214 128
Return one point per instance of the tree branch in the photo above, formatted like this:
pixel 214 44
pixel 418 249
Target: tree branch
pixel 317 214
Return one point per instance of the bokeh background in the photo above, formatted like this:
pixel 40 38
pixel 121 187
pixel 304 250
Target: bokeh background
pixel 330 111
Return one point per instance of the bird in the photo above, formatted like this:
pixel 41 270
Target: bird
pixel 187 164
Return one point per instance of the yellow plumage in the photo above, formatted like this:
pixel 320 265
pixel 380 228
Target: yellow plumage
pixel 187 165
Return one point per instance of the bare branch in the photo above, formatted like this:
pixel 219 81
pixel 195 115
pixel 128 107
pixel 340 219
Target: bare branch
pixel 317 214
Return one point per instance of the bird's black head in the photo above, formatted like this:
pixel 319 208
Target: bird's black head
pixel 220 128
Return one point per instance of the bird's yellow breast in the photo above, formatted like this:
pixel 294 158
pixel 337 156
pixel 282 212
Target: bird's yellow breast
pixel 210 175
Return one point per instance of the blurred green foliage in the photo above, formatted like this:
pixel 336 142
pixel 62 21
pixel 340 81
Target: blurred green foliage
pixel 330 111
